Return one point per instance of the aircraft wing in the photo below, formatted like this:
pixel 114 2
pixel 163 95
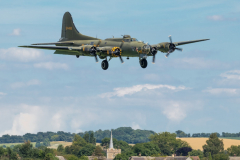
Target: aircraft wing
pixel 47 47
pixel 58 49
pixel 187 42
pixel 55 43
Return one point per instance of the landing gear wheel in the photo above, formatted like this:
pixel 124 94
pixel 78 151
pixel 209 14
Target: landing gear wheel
pixel 143 63
pixel 104 65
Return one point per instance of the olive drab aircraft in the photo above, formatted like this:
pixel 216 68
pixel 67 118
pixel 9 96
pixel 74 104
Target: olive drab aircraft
pixel 74 43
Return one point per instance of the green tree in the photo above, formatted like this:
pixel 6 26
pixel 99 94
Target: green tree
pixel 106 141
pixel 75 149
pixel 36 153
pixel 98 151
pixel 183 151
pixel 92 139
pixel 181 133
pixel 221 156
pixel 46 142
pixel 13 156
pixel 146 149
pixel 83 158
pixel 121 157
pixel 1 151
pixel 38 144
pixel 234 150
pixel 71 157
pixel 67 150
pixel 16 147
pixel 209 156
pixel 198 153
pixel 49 156
pixel 86 150
pixel 167 142
pixel 60 148
pixel 9 151
pixel 78 141
pixel 214 145
pixel 55 137
pixel 25 149
pixel 86 137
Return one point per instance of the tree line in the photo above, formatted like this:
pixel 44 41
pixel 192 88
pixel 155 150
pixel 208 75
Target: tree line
pixel 224 134
pixel 126 134
pixel 160 145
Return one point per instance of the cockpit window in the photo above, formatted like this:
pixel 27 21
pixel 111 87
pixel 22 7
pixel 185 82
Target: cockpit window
pixel 126 40
pixel 134 39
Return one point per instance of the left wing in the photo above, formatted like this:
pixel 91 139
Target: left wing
pixel 47 47
pixel 58 49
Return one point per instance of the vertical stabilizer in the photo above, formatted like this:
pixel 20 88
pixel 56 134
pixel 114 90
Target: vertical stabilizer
pixel 70 32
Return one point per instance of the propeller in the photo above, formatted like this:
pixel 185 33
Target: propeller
pixel 120 57
pixel 93 51
pixel 117 52
pixel 154 52
pixel 172 47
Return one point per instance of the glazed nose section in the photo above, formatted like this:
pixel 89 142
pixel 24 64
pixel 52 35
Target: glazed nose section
pixel 146 49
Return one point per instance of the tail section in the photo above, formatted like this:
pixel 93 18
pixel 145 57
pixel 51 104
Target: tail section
pixel 69 31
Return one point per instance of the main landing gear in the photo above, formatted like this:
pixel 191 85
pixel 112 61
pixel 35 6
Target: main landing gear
pixel 143 63
pixel 104 64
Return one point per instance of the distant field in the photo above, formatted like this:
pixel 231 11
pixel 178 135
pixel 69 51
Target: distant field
pixel 9 144
pixel 55 144
pixel 197 143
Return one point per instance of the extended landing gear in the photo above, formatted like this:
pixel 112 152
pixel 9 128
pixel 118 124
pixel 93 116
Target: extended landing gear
pixel 143 63
pixel 77 56
pixel 104 64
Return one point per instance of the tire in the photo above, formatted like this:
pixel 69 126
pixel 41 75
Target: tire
pixel 143 63
pixel 104 65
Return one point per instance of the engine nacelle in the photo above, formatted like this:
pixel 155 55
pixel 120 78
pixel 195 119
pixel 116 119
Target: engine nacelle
pixel 114 52
pixel 163 47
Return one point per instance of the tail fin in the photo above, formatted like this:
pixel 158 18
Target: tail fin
pixel 69 31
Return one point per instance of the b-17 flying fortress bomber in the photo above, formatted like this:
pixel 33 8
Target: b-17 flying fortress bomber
pixel 74 43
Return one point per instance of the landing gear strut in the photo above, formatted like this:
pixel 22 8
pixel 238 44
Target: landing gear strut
pixel 104 64
pixel 143 63
pixel 77 56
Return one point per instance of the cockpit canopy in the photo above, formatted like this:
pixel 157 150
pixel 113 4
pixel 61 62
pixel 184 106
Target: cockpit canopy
pixel 126 36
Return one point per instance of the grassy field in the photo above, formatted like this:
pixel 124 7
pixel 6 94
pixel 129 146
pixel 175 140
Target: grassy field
pixel 9 144
pixel 197 143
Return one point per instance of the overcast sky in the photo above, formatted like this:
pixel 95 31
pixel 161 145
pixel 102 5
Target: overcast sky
pixel 196 90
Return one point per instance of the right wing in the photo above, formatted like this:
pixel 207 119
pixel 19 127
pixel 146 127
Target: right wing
pixel 187 42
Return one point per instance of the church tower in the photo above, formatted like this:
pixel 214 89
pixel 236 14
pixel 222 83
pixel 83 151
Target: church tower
pixel 111 152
